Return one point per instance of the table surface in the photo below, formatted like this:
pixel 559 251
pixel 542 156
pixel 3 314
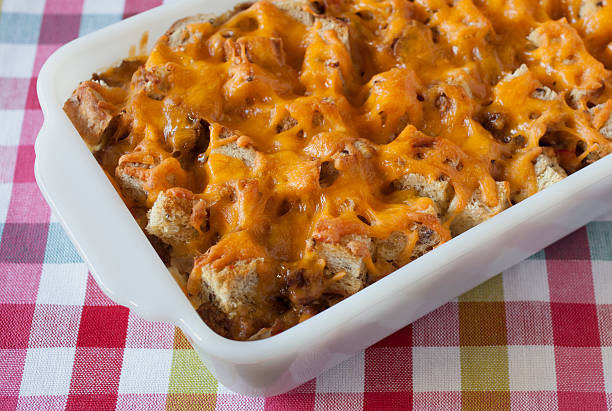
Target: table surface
pixel 538 336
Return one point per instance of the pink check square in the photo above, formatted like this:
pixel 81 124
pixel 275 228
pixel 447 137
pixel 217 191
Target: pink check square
pixel 13 288
pixel 11 364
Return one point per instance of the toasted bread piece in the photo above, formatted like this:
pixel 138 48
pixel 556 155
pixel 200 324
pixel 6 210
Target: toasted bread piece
pixel 391 248
pixel 154 80
pixel 94 117
pixel 131 172
pixel 170 217
pixel 345 257
pixel 440 191
pixel 216 319
pixel 261 334
pixel 522 69
pixel 309 12
pixel 428 239
pixel 548 171
pixel 180 34
pixel 286 124
pixel 130 181
pixel 232 149
pixel 300 10
pixel 477 211
pixel 589 7
pixel 238 278
pixel 141 175
pixel 120 75
pixel 338 26
pixel 233 288
pixel 606 129
pixel 266 52
pixel 544 93
pixel 231 143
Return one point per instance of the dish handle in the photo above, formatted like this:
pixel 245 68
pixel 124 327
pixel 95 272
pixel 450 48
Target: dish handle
pixel 136 277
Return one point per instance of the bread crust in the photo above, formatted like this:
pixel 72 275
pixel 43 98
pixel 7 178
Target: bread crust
pixel 91 114
pixel 170 218
pixel 477 210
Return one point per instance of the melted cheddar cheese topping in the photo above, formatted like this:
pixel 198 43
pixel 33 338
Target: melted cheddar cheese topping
pixel 320 145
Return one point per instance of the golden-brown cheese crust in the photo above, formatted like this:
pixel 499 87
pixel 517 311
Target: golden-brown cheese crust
pixel 294 151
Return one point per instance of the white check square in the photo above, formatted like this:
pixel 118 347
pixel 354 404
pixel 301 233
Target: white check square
pixel 436 369
pixel 17 60
pixel 527 281
pixel 145 371
pixel 532 368
pixel 20 6
pixel 103 7
pixel 230 401
pixel 11 121
pixel 63 284
pixel 602 281
pixel 5 198
pixel 606 355
pixel 148 334
pixel 47 371
pixel 55 326
pixel 348 376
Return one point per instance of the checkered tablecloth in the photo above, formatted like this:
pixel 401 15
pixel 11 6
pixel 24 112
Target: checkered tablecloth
pixel 537 337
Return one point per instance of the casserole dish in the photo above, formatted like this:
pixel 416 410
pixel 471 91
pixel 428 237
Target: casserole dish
pixel 103 230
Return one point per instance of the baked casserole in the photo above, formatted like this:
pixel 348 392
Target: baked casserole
pixel 284 155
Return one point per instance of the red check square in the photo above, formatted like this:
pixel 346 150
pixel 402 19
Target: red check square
pixel 575 325
pixel 292 401
pixel 572 401
pixel 573 247
pixel 16 324
pixel 32 102
pixel 32 122
pixel 387 401
pixel 8 402
pixel 99 402
pixel 570 281
pixel 103 327
pixel 95 296
pixel 388 369
pixel 401 338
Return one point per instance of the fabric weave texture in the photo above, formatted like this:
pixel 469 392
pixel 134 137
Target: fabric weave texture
pixel 537 337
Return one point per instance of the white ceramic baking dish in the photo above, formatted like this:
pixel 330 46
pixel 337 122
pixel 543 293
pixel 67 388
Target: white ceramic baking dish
pixel 129 271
